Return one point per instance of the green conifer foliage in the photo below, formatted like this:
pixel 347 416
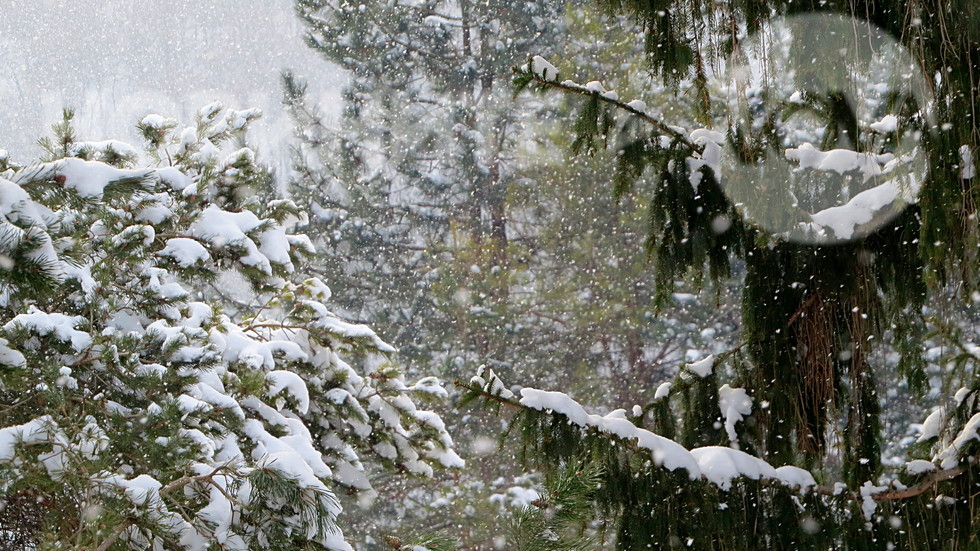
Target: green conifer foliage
pixel 135 413
pixel 813 313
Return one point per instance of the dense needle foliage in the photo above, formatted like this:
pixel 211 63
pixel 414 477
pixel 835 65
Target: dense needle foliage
pixel 136 410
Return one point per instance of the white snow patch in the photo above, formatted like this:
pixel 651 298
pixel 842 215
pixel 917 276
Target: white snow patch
pixel 62 326
pixel 544 69
pixel 949 457
pixel 968 170
pixel 638 105
pixel 186 252
pixel 735 404
pixel 920 466
pixel 292 384
pixel 702 368
pixel 933 424
pixel 721 465
pixel 888 123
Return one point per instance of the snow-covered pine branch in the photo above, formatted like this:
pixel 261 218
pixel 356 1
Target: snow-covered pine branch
pixel 137 412
pixel 556 430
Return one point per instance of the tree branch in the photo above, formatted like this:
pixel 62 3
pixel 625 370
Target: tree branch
pixel 925 485
pixel 658 124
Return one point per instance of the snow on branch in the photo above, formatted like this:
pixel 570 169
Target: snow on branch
pixel 539 73
pixel 717 465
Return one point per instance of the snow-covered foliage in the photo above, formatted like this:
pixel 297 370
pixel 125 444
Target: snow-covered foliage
pixel 137 413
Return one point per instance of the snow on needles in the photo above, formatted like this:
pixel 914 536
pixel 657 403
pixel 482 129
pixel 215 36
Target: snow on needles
pixel 735 405
pixel 211 398
pixel 717 465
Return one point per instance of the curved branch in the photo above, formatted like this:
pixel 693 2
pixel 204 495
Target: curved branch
pixel 925 485
pixel 656 123
pixel 922 487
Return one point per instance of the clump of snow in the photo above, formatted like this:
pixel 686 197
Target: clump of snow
pixel 888 123
pixel 949 457
pixel 17 211
pixel 638 105
pixel 186 252
pixel 595 86
pixel 846 219
pixel 795 477
pixel 735 405
pixel 840 161
pixel 967 170
pixel 544 69
pixel 662 391
pixel 721 465
pixel 487 380
pixel 59 325
pixel 156 122
pixel 933 424
pixel 868 505
pixel 90 178
pixel 222 229
pixel 702 368
pixel 173 178
pixel 9 356
pixel 961 395
pixel 292 384
pixel 37 430
pixel 712 143
pixel 920 466
pixel 558 402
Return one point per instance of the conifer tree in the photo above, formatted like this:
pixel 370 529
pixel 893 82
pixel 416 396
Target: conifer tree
pixel 424 156
pixel 576 312
pixel 783 448
pixel 136 412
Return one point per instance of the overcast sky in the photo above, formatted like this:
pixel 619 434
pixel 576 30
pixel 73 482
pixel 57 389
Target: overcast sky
pixel 117 60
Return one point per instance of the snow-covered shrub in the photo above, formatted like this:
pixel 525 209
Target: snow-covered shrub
pixel 137 414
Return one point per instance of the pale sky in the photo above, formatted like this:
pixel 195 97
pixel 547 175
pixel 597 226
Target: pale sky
pixel 117 60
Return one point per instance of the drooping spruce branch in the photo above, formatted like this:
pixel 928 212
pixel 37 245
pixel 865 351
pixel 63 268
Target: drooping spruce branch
pixel 927 483
pixel 526 76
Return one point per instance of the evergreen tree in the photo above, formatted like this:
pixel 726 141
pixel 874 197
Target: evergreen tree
pixel 804 390
pixel 137 413
pixel 576 313
pixel 425 155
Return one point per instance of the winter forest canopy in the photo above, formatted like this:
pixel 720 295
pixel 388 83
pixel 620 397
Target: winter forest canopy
pixel 541 275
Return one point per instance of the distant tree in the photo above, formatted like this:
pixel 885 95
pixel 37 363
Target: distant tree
pixel 138 413
pixel 424 156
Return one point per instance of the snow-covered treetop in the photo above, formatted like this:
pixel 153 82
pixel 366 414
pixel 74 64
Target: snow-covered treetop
pixel 139 415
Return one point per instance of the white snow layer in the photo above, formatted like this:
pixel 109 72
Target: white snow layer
pixel 920 466
pixel 702 368
pixel 713 142
pixel 716 464
pixel 735 404
pixel 888 123
pixel 60 325
pixel 542 68
pixel 933 424
pixel 949 457
pixel 968 170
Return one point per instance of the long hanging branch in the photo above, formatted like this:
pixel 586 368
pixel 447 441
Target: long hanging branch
pixel 526 76
pixel 928 483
